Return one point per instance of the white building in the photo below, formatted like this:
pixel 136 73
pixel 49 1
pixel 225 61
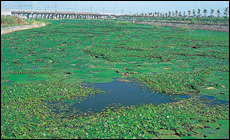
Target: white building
pixel 6 12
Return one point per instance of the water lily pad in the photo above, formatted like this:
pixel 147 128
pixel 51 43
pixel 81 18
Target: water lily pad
pixel 209 91
pixel 106 74
pixel 191 133
pixel 224 97
pixel 208 131
pixel 194 121
pixel 98 80
pixel 170 137
pixel 198 125
pixel 41 75
pixel 19 77
pixel 166 132
pixel 211 125
pixel 188 137
pixel 197 130
pixel 74 80
pixel 35 78
pixel 224 127
pixel 82 75
pixel 222 135
pixel 223 122
pixel 198 136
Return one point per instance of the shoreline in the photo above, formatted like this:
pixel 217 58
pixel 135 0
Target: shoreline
pixel 6 30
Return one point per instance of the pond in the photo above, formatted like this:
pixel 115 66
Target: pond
pixel 126 93
pixel 123 93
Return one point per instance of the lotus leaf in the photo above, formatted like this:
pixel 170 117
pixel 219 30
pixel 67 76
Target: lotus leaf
pixel 211 125
pixel 166 132
pixel 98 80
pixel 188 137
pixel 170 137
pixel 210 131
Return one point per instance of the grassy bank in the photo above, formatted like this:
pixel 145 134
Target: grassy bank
pixel 189 20
pixel 7 21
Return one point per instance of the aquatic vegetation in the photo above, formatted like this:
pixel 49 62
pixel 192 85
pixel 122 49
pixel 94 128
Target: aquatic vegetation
pixel 44 71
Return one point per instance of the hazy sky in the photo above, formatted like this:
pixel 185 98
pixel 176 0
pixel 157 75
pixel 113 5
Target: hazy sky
pixel 131 7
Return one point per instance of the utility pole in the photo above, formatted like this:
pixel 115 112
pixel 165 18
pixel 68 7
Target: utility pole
pixel 20 6
pixel 31 8
pixel 55 11
pixel 103 10
pixel 122 11
pixel 91 12
pixel 114 11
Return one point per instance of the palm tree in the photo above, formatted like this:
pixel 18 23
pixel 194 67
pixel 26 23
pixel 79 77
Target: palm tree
pixel 155 13
pixel 218 13
pixel 176 12
pixel 205 11
pixel 194 12
pixel 189 12
pixel 198 12
pixel 212 11
pixel 184 14
pixel 173 13
pixel 166 15
pixel 142 14
pixel 158 14
pixel 180 14
pixel 150 14
pixel 169 13
pixel 226 11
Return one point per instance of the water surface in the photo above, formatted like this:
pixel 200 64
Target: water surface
pixel 125 94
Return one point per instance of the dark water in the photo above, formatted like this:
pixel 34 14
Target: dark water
pixel 212 100
pixel 125 94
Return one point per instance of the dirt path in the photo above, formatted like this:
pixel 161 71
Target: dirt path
pixel 21 27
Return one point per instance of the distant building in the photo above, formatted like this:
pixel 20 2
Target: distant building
pixel 6 12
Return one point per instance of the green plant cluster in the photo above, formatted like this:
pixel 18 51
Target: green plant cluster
pixel 174 83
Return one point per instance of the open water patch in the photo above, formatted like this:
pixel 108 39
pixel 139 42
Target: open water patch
pixel 122 93
pixel 212 100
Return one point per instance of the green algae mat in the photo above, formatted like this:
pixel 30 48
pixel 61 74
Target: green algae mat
pixel 54 64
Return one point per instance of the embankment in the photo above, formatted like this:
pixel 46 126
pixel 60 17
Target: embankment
pixel 21 27
pixel 193 26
